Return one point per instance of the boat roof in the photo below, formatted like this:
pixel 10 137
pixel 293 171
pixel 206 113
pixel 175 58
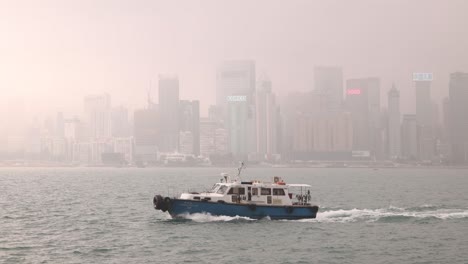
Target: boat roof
pixel 264 183
pixel 298 185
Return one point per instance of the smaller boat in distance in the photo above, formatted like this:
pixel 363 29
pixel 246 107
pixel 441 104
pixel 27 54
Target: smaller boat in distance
pixel 253 199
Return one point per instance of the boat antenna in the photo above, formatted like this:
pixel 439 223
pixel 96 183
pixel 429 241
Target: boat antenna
pixel 239 170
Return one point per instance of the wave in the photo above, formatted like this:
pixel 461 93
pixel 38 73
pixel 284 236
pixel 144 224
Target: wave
pixel 390 214
pixel 206 217
pixel 338 215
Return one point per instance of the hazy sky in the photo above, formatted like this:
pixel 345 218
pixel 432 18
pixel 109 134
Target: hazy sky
pixel 52 53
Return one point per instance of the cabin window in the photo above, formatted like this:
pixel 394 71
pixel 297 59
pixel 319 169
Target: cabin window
pixel 254 191
pixel 277 191
pixel 237 190
pixel 222 189
pixel 266 191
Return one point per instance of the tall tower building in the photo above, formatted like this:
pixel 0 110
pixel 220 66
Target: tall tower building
pixel 267 120
pixel 423 103
pixel 60 126
pixel 235 78
pixel 394 123
pixel 147 133
pixel 409 137
pixel 97 110
pixel 189 123
pixel 235 91
pixel 329 83
pixel 458 117
pixel 424 116
pixel 169 113
pixel 357 103
pixel 119 122
pixel 239 124
pixel 363 101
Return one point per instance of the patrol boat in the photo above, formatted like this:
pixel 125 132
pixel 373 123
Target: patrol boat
pixel 253 199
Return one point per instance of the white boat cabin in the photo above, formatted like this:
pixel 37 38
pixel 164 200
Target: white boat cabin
pixel 254 192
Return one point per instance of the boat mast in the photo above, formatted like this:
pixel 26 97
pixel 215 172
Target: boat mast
pixel 239 171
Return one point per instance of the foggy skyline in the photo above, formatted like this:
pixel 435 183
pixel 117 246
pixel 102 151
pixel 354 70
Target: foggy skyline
pixel 56 52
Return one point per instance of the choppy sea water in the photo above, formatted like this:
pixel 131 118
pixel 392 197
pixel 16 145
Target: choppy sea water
pixel 101 215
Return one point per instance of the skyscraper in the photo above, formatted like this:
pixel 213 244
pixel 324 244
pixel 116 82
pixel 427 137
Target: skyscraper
pixel 147 132
pixel 329 82
pixel 235 78
pixel 458 117
pixel 394 123
pixel 423 102
pixel 267 120
pixel 357 103
pixel 409 137
pixel 235 91
pixel 424 119
pixel 189 121
pixel 363 101
pixel 239 123
pixel 119 122
pixel 169 113
pixel 97 110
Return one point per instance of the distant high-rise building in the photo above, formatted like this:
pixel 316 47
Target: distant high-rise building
pixel 207 136
pixel 425 120
pixel 239 123
pixel 74 130
pixel 293 106
pixel 125 147
pixel 221 141
pixel 213 138
pixel 423 102
pixel 120 123
pixel 147 132
pixel 235 78
pixel 329 83
pixel 357 103
pixel 445 150
pixel 97 110
pixel 189 121
pixel 169 113
pixel 394 123
pixel 363 101
pixel 235 91
pixel 409 137
pixel 267 115
pixel 74 133
pixel 215 113
pixel 323 136
pixel 186 142
pixel 60 126
pixel 458 115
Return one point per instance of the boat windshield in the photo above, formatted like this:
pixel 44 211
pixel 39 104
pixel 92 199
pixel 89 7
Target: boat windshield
pixel 222 189
pixel 214 188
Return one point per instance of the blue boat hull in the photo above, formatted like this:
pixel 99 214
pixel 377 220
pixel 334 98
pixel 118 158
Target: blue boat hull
pixel 178 207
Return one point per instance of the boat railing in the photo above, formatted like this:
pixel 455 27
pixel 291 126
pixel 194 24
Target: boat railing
pixel 301 199
pixel 300 194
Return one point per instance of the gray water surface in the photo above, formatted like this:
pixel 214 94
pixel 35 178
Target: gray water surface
pixel 101 215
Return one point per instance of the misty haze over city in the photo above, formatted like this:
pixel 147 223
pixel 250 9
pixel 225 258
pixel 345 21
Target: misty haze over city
pixel 233 131
pixel 145 83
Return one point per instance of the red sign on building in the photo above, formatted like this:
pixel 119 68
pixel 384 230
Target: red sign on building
pixel 353 91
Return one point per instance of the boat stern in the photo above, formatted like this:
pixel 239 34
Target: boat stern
pixel 162 203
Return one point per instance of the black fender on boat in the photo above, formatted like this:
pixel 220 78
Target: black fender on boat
pixel 253 207
pixel 166 204
pixel 290 209
pixel 158 202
